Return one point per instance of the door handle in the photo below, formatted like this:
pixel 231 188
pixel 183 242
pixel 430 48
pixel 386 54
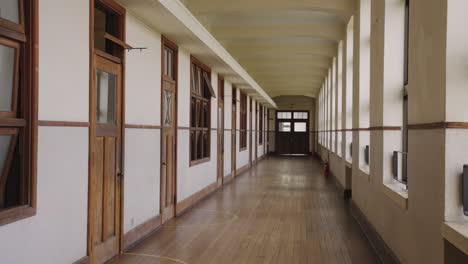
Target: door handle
pixel 163 163
pixel 120 175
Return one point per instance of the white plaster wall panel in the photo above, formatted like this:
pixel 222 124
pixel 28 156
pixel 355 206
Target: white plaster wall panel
pixel 143 75
pixel 227 126
pixel 455 158
pixel 64 60
pixel 457 48
pixel 142 176
pixel 183 84
pixel 193 179
pixel 57 233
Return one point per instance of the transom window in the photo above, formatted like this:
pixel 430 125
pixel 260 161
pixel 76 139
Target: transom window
pixel 200 112
pixel 17 99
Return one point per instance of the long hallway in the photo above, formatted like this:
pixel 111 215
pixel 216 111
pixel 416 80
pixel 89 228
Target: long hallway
pixel 280 211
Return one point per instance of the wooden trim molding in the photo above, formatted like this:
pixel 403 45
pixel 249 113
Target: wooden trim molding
pixel 141 232
pixel 382 250
pixel 48 123
pixel 187 203
pixel 384 128
pixel 142 126
pixel 439 125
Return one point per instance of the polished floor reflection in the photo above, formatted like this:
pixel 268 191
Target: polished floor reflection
pixel 281 211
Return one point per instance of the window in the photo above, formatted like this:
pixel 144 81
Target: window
pixel 300 115
pixel 260 125
pixel 200 112
pixel 17 113
pixel 283 115
pixel 108 32
pixel 243 121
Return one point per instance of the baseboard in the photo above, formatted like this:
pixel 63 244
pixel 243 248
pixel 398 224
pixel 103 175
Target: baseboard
pixel 227 179
pixel 383 251
pixel 83 260
pixel 140 232
pixel 242 169
pixel 347 193
pixel 185 204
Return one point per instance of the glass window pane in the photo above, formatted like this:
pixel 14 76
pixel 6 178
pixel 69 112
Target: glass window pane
pixel 9 10
pixel 300 115
pixel 167 108
pixel 284 115
pixel 300 127
pixel 5 141
pixel 7 76
pixel 285 127
pixel 106 88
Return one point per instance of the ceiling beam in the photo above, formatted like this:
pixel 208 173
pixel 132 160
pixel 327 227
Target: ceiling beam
pixel 201 7
pixel 266 50
pixel 326 31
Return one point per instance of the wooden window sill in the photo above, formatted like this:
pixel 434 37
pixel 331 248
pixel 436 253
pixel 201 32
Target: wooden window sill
pixel 348 164
pixel 396 192
pixel 16 214
pixel 365 172
pixel 242 149
pixel 457 234
pixel 198 162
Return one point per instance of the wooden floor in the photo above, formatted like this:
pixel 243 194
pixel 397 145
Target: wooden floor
pixel 281 211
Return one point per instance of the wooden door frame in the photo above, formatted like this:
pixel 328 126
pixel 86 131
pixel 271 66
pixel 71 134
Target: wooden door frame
pixel 92 124
pixel 166 42
pixel 221 150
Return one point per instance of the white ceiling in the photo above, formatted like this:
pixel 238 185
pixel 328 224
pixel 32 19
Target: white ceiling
pixel 285 45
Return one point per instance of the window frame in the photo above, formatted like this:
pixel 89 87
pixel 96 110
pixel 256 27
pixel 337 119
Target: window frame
pixel 22 122
pixel 243 122
pixel 199 101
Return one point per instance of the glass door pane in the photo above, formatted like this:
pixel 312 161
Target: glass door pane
pixel 285 127
pixel 7 77
pixel 167 108
pixel 300 127
pixel 106 88
pixel 9 10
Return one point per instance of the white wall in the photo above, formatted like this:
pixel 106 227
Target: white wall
pixel 192 179
pixel 143 107
pixel 61 43
pixel 58 232
pixel 227 127
pixel 60 226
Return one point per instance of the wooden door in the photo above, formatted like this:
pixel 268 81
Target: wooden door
pixel 105 155
pixel 220 132
pixel 292 132
pixel 233 134
pixel 168 131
